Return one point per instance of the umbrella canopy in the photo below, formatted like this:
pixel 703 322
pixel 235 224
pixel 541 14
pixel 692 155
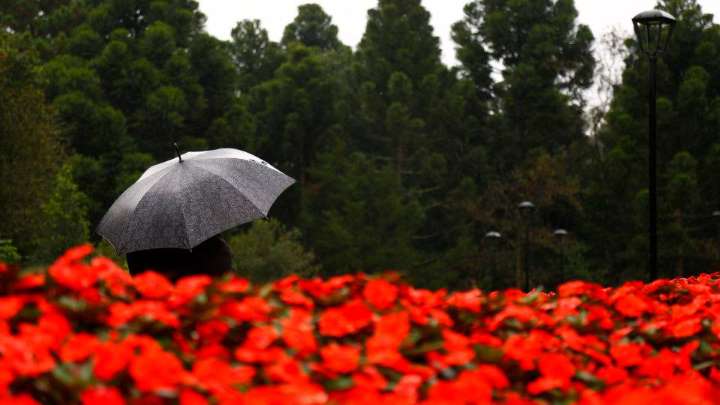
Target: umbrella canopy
pixel 184 201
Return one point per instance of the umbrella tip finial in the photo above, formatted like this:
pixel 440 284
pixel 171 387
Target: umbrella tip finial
pixel 177 150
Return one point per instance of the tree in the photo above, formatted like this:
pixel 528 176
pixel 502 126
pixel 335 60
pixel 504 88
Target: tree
pixel 268 251
pixel 129 78
pixel 296 115
pixel 255 56
pixel 30 146
pixel 64 218
pixel 357 217
pixel 547 63
pixel 312 27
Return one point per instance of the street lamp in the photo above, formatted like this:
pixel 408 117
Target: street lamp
pixel 653 30
pixel 526 208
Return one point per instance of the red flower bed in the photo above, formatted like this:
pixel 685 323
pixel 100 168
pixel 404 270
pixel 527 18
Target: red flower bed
pixel 86 332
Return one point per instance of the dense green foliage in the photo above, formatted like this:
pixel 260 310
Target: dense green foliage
pixel 267 251
pixel 401 162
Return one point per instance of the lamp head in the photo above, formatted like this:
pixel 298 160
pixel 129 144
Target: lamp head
pixel 526 206
pixel 653 29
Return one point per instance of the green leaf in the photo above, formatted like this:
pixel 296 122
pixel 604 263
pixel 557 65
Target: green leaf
pixel 340 383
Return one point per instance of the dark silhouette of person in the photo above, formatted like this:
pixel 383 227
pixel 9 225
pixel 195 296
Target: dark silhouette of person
pixel 212 257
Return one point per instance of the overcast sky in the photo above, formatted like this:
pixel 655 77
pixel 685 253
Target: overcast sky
pixel 350 16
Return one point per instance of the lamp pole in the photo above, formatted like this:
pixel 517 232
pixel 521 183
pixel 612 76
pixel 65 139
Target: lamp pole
pixel 716 217
pixel 526 208
pixel 652 165
pixel 653 29
pixel 560 234
pixel 493 238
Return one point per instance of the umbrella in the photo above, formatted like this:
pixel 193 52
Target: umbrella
pixel 186 200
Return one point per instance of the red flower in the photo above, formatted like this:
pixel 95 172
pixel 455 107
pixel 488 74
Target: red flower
pixel 190 397
pixel 121 313
pixel 346 319
pixel 115 278
pixel 285 369
pixel 556 371
pixel 212 331
pixel 29 281
pixel 102 396
pixel 466 389
pixel 323 289
pixel 73 276
pixel 340 358
pixel 390 331
pixel 187 288
pixel 152 285
pixel 79 347
pixel 380 293
pixel 10 306
pixel 68 272
pixel 156 370
pixel 630 305
pixel 630 354
pixel 250 309
pixel 110 359
pixel 297 332
pixel 468 301
pixel 685 328
pixel 258 340
pixel 293 297
pixel 218 376
pixel 235 285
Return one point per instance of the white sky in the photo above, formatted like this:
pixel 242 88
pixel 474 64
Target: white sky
pixel 350 16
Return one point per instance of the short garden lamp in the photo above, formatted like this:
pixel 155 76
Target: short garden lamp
pixel 561 234
pixel 653 29
pixel 526 208
pixel 716 219
pixel 493 238
pixel 495 235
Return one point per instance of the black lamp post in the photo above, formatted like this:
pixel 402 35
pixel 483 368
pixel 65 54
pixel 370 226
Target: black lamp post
pixel 526 208
pixel 560 234
pixel 716 218
pixel 653 30
pixel 493 238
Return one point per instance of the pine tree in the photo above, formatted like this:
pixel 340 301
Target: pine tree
pixel 547 63
pixel 313 28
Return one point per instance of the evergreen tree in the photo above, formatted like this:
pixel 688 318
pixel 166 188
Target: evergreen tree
pixel 313 28
pixel 358 217
pixel 64 217
pixel 129 78
pixel 547 63
pixel 255 56
pixel 30 146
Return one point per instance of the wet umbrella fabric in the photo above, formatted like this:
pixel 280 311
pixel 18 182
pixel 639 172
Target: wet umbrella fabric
pixel 184 201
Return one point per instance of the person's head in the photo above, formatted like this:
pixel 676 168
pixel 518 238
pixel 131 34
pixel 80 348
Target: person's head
pixel 212 257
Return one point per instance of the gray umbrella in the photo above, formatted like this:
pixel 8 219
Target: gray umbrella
pixel 187 200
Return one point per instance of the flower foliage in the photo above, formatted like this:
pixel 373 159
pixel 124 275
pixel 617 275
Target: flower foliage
pixel 86 332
